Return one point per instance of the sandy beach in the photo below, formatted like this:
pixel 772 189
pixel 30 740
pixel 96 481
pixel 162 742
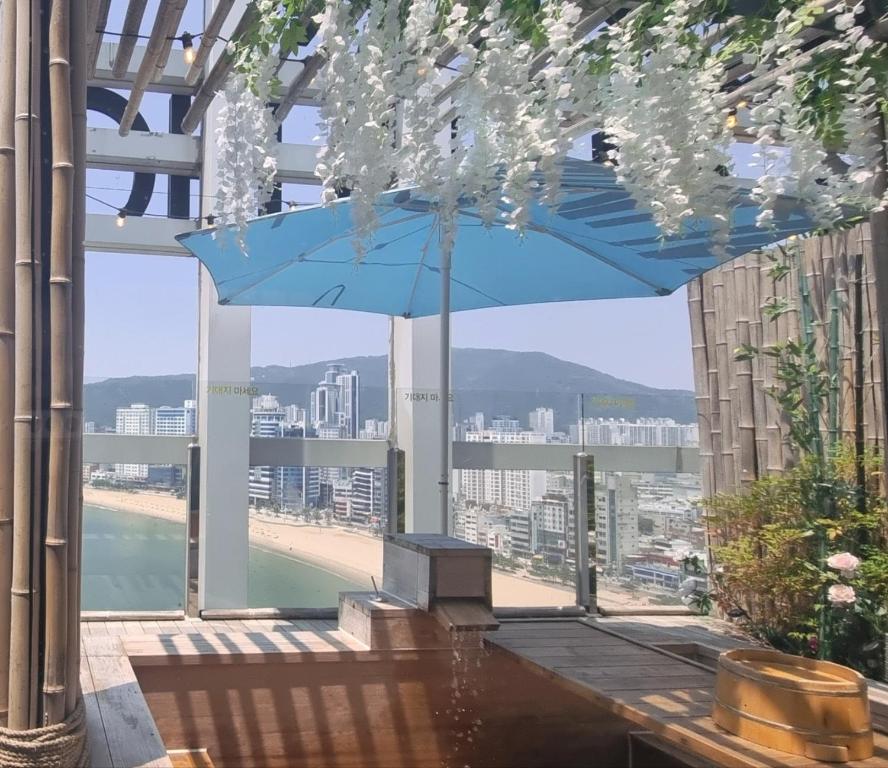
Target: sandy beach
pixel 354 556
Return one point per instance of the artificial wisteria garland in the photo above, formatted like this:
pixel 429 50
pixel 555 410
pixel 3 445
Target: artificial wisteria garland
pixel 490 120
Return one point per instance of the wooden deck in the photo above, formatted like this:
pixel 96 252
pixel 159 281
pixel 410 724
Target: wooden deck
pixel 654 671
pixel 624 665
pixel 122 732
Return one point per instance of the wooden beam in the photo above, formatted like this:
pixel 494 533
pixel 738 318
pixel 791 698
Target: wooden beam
pixel 208 39
pixel 216 77
pixel 134 13
pixel 168 15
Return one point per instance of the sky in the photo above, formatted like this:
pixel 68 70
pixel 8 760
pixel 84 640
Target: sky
pixel 142 310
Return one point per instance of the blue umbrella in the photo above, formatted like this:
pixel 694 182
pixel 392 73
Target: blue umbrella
pixel 596 244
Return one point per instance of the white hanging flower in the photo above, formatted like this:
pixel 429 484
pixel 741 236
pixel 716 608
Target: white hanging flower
pixel 246 147
pixel 672 151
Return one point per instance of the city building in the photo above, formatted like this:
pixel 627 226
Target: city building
pixel 542 420
pixel 374 429
pixel 137 419
pixel 512 488
pixel 641 432
pixel 368 496
pixel 505 424
pixel 176 421
pixel 554 528
pixel 336 403
pixel 616 520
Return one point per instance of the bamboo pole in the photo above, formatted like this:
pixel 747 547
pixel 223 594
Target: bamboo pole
pixel 879 246
pixel 872 355
pixel 709 323
pixel 722 363
pixel 78 224
pixel 56 543
pixel 208 40
pixel 701 381
pixel 26 503
pixel 169 12
pixel 759 409
pixel 215 78
pixel 99 21
pixel 776 460
pixel 747 462
pixel 131 23
pixel 7 329
pixel 310 68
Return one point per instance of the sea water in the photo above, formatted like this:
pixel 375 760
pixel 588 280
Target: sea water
pixel 133 562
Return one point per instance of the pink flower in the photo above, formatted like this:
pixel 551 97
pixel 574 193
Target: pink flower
pixel 841 594
pixel 844 562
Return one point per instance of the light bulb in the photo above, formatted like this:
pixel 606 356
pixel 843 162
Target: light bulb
pixel 188 48
pixel 742 104
pixel 121 218
pixel 293 206
pixel 731 121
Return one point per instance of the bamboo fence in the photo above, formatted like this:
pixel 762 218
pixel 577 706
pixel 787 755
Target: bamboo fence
pixel 43 65
pixel 743 435
pixel 7 328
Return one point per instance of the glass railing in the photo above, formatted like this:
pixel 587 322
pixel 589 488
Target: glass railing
pixel 314 532
pixel 316 529
pixel 648 539
pixel 133 538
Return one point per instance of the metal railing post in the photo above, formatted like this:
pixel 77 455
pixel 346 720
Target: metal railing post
pixel 192 530
pixel 392 466
pixel 584 506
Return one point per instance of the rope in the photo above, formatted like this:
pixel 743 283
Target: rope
pixel 54 746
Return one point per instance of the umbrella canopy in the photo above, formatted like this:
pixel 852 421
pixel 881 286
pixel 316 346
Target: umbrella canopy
pixel 596 244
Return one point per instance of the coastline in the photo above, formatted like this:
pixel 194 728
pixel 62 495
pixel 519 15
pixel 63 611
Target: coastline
pixel 347 554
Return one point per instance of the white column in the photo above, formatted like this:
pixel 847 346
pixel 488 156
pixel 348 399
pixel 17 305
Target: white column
pixel 414 375
pixel 223 415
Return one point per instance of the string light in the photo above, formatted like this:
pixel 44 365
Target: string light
pixel 211 220
pixel 188 48
pixel 731 120
pixel 121 218
pixel 742 104
pixel 292 205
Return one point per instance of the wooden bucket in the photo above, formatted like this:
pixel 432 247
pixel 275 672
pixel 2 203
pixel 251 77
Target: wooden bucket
pixel 813 708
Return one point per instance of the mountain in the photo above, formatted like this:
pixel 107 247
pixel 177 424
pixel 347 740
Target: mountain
pixel 494 381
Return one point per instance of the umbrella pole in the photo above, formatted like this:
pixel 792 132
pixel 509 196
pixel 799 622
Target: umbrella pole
pixel 444 482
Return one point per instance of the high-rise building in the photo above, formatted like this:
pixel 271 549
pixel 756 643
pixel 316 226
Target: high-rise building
pixel 266 420
pixel 296 416
pixel 512 488
pixel 507 424
pixel 181 420
pixel 336 402
pixel 367 495
pixel 641 432
pixel 349 412
pixel 374 429
pixel 616 520
pixel 137 419
pixel 176 421
pixel 542 420
pixel 554 527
